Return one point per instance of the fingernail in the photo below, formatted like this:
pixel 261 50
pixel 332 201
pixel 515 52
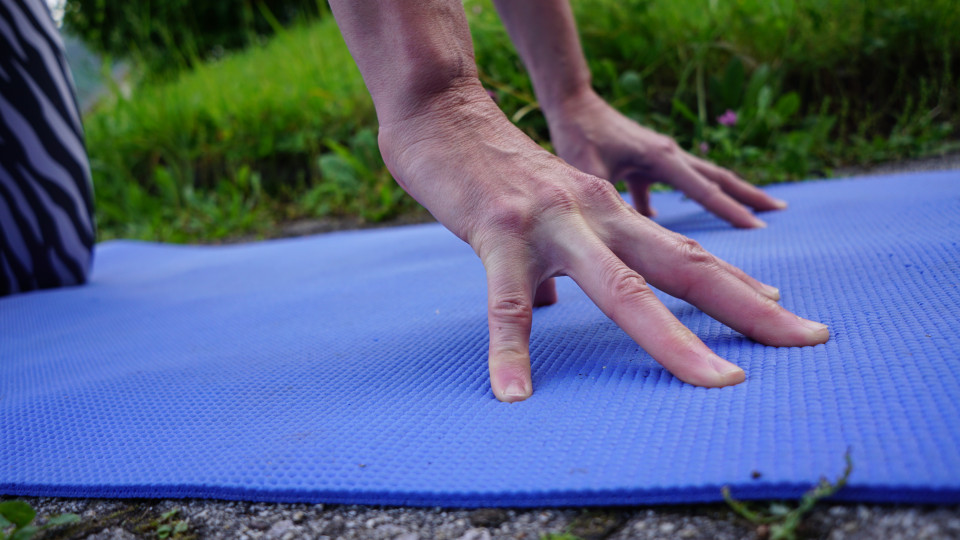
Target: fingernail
pixel 816 329
pixel 515 391
pixel 780 203
pixel 771 292
pixel 759 223
pixel 733 375
pixel 729 373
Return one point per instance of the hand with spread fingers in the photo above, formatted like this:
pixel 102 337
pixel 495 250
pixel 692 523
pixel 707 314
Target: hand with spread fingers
pixel 531 216
pixel 592 136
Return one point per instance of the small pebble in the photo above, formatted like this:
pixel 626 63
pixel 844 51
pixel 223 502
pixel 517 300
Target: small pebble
pixel 476 534
pixel 667 528
pixel 280 528
pixel 258 525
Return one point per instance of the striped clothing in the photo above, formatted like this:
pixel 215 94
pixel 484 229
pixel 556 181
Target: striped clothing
pixel 46 204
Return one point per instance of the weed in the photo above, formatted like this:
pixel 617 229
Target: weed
pixel 16 521
pixel 167 526
pixel 780 520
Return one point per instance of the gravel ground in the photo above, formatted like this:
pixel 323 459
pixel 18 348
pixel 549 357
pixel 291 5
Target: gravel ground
pixel 104 519
pixel 135 518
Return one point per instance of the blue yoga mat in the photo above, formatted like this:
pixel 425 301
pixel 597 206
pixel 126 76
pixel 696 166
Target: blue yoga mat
pixel 351 367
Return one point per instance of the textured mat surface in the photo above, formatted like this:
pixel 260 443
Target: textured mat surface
pixel 351 367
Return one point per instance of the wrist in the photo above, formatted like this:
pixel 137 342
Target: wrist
pixel 571 106
pixel 445 121
pixel 408 52
pixel 438 103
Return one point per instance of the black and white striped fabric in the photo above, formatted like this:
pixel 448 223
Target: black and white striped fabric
pixel 46 206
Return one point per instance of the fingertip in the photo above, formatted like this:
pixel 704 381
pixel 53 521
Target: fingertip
pixel 710 371
pixel 728 374
pixel 514 391
pixel 510 377
pixel 817 333
pixel 751 222
pixel 771 292
pixel 768 203
pixel 801 333
pixel 732 377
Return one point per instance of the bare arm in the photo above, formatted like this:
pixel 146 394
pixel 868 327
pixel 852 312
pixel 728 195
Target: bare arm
pixel 545 35
pixel 407 52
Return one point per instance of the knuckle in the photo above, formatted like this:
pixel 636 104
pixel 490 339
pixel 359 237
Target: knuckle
pixel 769 309
pixel 764 311
pixel 696 264
pixel 693 253
pixel 598 190
pixel 710 191
pixel 510 216
pixel 511 309
pixel 510 354
pixel 558 199
pixel 666 146
pixel 519 215
pixel 732 178
pixel 682 341
pixel 626 284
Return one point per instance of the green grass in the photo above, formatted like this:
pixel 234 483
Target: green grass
pixel 226 147
pixel 285 130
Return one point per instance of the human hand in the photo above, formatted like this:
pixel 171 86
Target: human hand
pixel 530 216
pixel 592 136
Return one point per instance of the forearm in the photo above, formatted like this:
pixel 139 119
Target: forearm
pixel 409 53
pixel 545 34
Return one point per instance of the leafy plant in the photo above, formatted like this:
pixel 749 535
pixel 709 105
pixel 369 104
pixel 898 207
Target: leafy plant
pixel 355 181
pixel 782 520
pixel 16 521
pixel 167 526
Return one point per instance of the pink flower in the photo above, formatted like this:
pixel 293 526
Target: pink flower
pixel 704 148
pixel 728 118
